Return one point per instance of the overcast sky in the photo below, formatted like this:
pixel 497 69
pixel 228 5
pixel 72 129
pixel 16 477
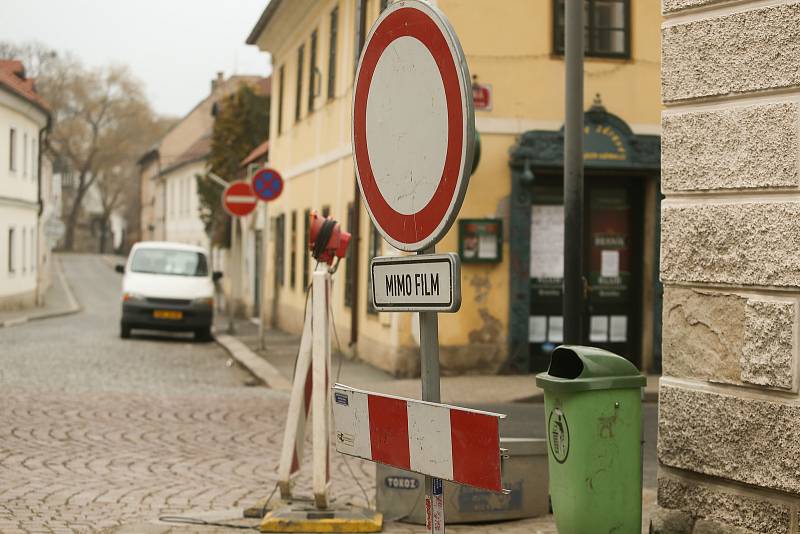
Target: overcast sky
pixel 174 46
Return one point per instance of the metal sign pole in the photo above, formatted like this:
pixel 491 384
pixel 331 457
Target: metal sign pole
pixel 429 355
pixel 230 299
pixel 573 174
pixel 262 274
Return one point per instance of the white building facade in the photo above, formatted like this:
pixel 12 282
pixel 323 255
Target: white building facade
pixel 182 213
pixel 23 121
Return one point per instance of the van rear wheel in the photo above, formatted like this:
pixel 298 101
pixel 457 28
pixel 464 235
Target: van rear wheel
pixel 124 331
pixel 203 334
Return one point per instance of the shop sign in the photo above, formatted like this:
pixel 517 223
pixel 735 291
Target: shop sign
pixel 603 143
pixel 482 96
pixel 429 282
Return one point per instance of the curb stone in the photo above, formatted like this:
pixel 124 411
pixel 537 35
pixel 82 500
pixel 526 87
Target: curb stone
pixel 254 363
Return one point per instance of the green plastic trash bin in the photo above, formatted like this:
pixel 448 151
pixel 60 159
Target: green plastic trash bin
pixel 593 413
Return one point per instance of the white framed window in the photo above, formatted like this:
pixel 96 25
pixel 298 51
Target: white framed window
pixel 11 247
pixel 188 195
pixel 34 147
pixel 12 149
pixel 33 249
pixel 24 250
pixel 24 154
pixel 185 195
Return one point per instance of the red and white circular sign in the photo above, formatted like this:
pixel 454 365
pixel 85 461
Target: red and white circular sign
pixel 238 199
pixel 413 125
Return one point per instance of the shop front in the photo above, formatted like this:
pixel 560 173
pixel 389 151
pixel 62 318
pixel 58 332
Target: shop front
pixel 621 206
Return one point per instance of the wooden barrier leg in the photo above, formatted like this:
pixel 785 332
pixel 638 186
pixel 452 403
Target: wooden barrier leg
pixel 299 404
pixel 321 350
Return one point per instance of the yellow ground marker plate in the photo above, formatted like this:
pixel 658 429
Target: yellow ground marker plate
pixel 303 518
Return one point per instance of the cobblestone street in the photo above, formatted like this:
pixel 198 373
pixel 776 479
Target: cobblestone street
pixel 99 434
pixel 96 431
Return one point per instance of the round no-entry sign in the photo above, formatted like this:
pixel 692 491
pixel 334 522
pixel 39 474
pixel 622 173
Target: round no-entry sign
pixel 413 125
pixel 267 184
pixel 238 199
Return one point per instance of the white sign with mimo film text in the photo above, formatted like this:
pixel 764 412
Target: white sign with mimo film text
pixel 430 282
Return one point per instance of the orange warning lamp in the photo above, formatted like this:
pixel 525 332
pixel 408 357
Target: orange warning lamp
pixel 326 239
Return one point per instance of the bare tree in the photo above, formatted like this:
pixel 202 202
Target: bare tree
pixel 95 112
pixel 35 55
pixel 102 122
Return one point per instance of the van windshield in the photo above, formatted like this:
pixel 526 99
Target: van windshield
pixel 172 262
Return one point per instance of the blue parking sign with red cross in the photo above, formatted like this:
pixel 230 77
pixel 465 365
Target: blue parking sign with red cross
pixel 267 184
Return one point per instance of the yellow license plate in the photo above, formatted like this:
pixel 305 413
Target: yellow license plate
pixel 167 314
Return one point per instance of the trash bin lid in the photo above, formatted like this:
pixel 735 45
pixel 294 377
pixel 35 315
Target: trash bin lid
pixel 579 368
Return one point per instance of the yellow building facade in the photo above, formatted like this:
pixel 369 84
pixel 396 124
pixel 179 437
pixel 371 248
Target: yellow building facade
pixel 515 56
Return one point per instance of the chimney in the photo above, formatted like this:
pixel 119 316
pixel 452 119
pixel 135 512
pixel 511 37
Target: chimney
pixel 218 82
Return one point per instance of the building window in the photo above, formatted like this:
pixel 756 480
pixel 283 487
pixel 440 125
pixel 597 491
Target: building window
pixel 332 53
pixel 607 28
pixel 361 29
pixel 373 250
pixel 280 245
pixel 348 261
pixel 12 149
pixel 11 247
pixel 299 91
pixel 24 251
pixel 33 157
pixel 33 249
pixel 293 251
pixel 306 251
pixel 24 156
pixel 280 100
pixel 312 71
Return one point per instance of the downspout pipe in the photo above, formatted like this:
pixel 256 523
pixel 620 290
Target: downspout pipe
pixel 355 247
pixel 42 141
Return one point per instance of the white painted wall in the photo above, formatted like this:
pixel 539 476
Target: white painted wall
pixel 19 228
pixel 183 223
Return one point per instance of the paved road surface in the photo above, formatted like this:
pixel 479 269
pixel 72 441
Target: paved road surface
pixel 96 431
pixel 101 433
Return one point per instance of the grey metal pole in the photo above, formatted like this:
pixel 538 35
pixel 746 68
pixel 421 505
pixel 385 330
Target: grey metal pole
pixel 573 174
pixel 429 357
pixel 229 301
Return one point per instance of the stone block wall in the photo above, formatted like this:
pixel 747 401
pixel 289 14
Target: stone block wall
pixel 729 414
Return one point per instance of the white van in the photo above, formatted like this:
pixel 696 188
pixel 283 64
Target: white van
pixel 167 286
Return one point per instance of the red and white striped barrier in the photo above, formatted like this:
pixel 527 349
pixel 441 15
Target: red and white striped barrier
pixel 442 441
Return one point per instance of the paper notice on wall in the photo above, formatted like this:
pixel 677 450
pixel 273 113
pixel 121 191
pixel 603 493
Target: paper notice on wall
pixel 547 241
pixel 487 246
pixel 537 328
pixel 555 329
pixel 609 263
pixel 618 331
pixel 598 329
